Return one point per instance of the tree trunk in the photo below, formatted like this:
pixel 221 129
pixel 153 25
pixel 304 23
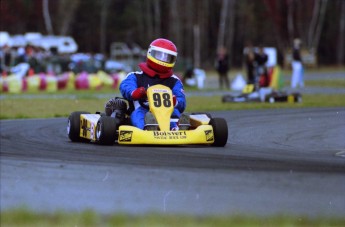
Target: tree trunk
pixel 149 32
pixel 188 30
pixel 196 31
pixel 222 23
pixel 103 25
pixel 313 23
pixel 341 45
pixel 175 24
pixel 276 15
pixel 320 24
pixel 67 10
pixel 204 29
pixel 157 19
pixel 231 27
pixel 290 20
pixel 46 16
pixel 140 20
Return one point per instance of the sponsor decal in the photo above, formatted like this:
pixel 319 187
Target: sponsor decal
pixel 84 127
pixel 125 136
pixel 209 135
pixel 170 135
pixel 159 90
pixel 92 131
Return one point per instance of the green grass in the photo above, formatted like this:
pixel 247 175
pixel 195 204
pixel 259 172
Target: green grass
pixel 46 108
pixel 335 83
pixel 214 103
pixel 51 107
pixel 24 217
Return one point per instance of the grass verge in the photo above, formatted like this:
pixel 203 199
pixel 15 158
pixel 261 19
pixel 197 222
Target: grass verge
pixel 334 83
pixel 50 107
pixel 24 217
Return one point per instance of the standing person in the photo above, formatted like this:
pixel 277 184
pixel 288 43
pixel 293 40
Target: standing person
pixel 249 59
pixel 222 66
pixel 297 66
pixel 261 59
pixel 158 69
pixel 29 57
pixel 7 59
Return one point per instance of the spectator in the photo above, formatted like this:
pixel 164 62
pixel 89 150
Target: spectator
pixel 7 59
pixel 188 75
pixel 297 66
pixel 222 66
pixel 29 57
pixel 261 59
pixel 53 61
pixel 249 59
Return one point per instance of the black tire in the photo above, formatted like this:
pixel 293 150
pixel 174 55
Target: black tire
pixel 226 98
pixel 220 131
pixel 73 126
pixel 106 130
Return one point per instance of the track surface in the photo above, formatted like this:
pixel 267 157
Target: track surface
pixel 276 162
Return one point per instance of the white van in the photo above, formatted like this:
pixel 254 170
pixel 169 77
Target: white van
pixel 63 44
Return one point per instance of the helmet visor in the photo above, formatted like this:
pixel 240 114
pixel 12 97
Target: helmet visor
pixel 163 56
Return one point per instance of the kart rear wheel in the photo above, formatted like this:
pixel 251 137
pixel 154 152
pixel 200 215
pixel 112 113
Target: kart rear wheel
pixel 106 130
pixel 73 126
pixel 226 98
pixel 220 131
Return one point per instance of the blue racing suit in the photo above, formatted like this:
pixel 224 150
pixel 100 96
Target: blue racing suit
pixel 135 80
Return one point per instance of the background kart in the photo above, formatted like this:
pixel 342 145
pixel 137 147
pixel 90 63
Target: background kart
pixel 271 97
pixel 105 130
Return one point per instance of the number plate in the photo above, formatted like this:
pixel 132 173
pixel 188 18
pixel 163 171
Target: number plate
pixel 161 105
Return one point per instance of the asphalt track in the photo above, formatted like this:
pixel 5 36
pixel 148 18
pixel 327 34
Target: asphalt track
pixel 286 161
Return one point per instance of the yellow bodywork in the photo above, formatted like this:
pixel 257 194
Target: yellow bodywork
pixel 199 119
pixel 160 99
pixel 132 135
pixel 161 105
pixel 88 123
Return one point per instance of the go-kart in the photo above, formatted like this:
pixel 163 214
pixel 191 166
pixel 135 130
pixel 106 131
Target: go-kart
pixel 265 94
pixel 107 130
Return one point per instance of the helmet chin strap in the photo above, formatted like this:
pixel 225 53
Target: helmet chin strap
pixel 146 69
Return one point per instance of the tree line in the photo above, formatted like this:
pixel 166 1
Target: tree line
pixel 197 27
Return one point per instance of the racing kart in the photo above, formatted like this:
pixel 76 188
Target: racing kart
pixel 263 95
pixel 107 130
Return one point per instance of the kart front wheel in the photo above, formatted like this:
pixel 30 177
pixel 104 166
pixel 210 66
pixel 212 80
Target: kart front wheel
pixel 106 130
pixel 73 126
pixel 220 131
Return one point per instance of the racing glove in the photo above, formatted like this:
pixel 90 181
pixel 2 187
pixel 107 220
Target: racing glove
pixel 139 93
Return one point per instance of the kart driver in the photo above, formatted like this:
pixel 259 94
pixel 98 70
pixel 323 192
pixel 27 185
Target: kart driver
pixel 158 69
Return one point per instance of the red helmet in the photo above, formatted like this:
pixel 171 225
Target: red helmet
pixel 161 55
